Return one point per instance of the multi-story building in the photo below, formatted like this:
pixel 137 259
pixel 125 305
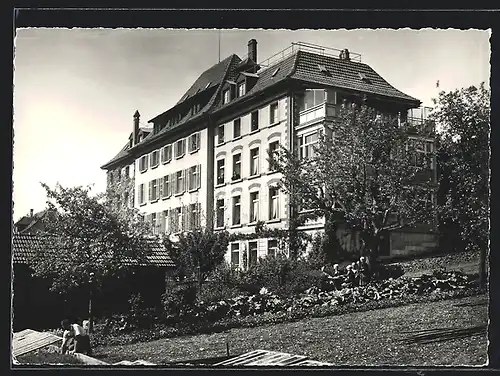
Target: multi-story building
pixel 206 160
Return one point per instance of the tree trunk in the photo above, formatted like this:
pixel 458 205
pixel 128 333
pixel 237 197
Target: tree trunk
pixel 91 324
pixel 482 268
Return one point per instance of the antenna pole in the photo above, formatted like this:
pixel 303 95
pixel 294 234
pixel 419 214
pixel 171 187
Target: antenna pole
pixel 219 45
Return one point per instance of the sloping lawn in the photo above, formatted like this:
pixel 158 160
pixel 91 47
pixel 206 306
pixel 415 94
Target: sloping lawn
pixel 449 332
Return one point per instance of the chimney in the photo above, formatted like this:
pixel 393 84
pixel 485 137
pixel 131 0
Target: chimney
pixel 135 133
pixel 252 50
pixel 31 212
pixel 344 54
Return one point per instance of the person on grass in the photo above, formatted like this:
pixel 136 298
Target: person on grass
pixel 75 338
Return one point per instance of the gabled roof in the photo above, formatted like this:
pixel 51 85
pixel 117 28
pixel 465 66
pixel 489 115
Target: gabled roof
pixel 211 77
pixel 214 74
pixel 266 79
pixel 121 154
pixel 345 74
pixel 26 246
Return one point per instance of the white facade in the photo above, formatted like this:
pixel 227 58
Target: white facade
pixel 245 184
pixel 171 183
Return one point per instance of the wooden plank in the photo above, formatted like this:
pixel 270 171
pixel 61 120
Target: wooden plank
pixel 29 340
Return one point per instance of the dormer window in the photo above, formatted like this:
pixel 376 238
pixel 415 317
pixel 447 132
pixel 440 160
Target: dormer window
pixel 226 96
pixel 241 89
pixel 196 108
pixel 363 77
pixel 275 72
pixel 323 69
pixel 206 87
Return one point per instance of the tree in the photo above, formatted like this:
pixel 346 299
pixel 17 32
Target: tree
pixel 197 253
pixel 364 173
pixel 463 116
pixel 89 242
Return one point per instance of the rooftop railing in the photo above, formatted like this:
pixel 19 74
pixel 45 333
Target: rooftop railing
pixel 308 47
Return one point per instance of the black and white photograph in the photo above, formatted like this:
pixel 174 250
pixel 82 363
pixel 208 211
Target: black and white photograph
pixel 245 198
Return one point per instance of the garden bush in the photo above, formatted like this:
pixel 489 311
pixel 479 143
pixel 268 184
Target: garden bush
pixel 223 283
pixel 386 271
pixel 178 298
pixel 280 275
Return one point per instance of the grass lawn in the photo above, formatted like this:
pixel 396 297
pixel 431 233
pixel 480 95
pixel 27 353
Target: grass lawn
pixel 449 332
pixel 46 357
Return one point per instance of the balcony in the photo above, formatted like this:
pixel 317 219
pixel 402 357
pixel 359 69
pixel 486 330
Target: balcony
pixel 420 126
pixel 321 111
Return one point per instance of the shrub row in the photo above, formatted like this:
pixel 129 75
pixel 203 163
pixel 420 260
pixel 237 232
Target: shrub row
pixel 268 308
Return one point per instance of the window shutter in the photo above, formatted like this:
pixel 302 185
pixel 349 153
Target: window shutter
pixel 198 177
pixel 150 190
pixel 198 216
pixel 183 185
pixel 162 217
pixel 174 186
pixel 160 187
pixel 171 213
pixel 184 224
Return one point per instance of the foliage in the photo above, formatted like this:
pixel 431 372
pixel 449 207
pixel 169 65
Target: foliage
pixel 196 254
pixel 386 271
pixel 265 307
pixel 178 298
pixel 464 118
pixel 281 275
pixel 362 174
pixel 223 283
pixel 90 242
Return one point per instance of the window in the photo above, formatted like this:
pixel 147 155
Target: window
pixel 154 224
pixel 273 113
pixel 236 210
pixel 196 108
pixel 254 207
pixel 220 171
pixel 178 219
pixel 312 98
pixel 194 177
pixel 154 160
pixel 219 213
pixel 237 166
pixel 166 154
pixel 241 89
pixel 194 216
pixel 127 172
pixel 273 150
pixel 194 142
pixel 163 221
pixel 141 195
pixel 153 190
pixel 272 247
pixel 220 133
pixel 422 151
pixel 273 203
pixel 167 187
pixel 275 71
pixel 179 182
pixel 254 161
pixel 143 163
pixel 236 128
pixel 226 96
pixel 254 125
pixel 180 148
pixel 235 254
pixel 307 144
pixel 252 253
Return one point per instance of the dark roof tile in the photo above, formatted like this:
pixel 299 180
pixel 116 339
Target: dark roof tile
pixel 26 246
pixel 344 74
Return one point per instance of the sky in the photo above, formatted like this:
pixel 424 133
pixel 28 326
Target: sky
pixel 76 90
